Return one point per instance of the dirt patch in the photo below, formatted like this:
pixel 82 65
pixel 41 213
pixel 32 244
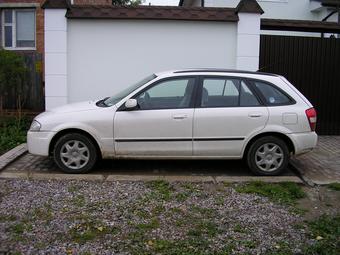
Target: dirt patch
pixel 319 200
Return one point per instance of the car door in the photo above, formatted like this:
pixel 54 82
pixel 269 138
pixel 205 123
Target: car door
pixel 161 125
pixel 227 112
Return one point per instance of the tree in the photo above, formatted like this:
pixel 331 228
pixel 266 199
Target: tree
pixel 126 2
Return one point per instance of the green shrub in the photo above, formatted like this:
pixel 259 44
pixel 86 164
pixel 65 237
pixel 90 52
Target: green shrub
pixel 12 132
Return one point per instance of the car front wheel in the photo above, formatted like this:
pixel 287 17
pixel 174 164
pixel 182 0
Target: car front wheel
pixel 75 153
pixel 268 156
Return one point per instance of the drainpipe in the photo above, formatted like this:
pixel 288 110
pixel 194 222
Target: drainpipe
pixel 326 18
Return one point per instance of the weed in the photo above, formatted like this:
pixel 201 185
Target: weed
pixel 79 200
pixel 334 186
pixel 73 188
pixel 89 230
pixel 153 224
pixel 203 228
pixel 238 228
pixel 17 230
pixel 181 197
pixel 4 218
pixel 161 189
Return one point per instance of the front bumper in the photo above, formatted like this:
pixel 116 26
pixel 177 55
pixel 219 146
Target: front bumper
pixel 38 142
pixel 304 142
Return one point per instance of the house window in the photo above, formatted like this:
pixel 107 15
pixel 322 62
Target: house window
pixel 18 29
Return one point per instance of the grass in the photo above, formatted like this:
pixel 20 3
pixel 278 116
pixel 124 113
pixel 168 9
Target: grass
pixel 334 186
pixel 284 193
pixel 12 132
pixel 326 232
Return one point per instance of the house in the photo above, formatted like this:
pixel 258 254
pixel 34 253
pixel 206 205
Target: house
pixel 316 10
pixel 22 31
pixel 22 23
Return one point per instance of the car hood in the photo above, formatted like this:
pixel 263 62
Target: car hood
pixel 76 107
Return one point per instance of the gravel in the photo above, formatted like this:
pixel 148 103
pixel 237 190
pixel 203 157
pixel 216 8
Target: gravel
pixel 78 217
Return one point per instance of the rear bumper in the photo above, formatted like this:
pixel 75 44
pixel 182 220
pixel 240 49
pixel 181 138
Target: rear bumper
pixel 304 142
pixel 38 142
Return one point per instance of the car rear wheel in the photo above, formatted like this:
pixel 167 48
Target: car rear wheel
pixel 75 153
pixel 268 156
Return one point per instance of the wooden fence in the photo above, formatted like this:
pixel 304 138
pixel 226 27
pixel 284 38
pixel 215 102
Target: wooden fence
pixel 32 89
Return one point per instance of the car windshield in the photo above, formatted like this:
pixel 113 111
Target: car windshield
pixel 119 96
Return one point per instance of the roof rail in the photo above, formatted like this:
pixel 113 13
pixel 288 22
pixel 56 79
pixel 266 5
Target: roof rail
pixel 216 70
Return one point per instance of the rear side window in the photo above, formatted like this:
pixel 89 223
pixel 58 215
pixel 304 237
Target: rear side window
pixel 225 92
pixel 272 95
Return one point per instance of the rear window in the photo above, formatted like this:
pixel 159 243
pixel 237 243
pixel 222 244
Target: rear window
pixel 272 95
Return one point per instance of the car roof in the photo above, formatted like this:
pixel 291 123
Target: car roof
pixel 213 70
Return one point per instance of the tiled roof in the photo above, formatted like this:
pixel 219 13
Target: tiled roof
pixel 152 12
pixel 300 25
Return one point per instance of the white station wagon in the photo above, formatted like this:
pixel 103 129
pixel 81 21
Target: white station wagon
pixel 183 114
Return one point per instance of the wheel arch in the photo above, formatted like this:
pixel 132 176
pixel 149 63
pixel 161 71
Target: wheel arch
pixel 282 136
pixel 63 132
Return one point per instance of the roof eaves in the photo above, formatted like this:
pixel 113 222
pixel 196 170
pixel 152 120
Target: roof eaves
pixel 153 12
pixel 249 6
pixel 56 4
pixel 300 25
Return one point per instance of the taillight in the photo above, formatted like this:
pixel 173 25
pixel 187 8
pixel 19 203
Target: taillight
pixel 311 116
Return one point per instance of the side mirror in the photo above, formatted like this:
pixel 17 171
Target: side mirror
pixel 131 103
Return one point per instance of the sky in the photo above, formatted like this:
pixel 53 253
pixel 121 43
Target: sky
pixel 161 2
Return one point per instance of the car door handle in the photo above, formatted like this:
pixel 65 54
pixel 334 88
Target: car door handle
pixel 180 116
pixel 255 115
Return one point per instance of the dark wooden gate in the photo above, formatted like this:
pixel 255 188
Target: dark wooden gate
pixel 313 66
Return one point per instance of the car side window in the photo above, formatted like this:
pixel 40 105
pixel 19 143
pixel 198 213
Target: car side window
pixel 168 94
pixel 247 98
pixel 272 95
pixel 224 92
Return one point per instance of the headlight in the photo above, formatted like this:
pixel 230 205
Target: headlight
pixel 35 126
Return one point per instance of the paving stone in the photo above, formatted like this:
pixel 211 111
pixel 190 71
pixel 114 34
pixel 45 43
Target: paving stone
pixel 322 165
pixel 36 167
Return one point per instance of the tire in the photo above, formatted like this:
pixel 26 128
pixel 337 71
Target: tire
pixel 75 153
pixel 268 156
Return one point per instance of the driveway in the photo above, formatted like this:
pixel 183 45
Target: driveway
pixel 36 167
pixel 322 165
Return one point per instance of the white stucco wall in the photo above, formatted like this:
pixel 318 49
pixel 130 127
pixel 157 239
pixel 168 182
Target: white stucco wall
pixel 104 56
pixel 281 9
pixel 55 25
